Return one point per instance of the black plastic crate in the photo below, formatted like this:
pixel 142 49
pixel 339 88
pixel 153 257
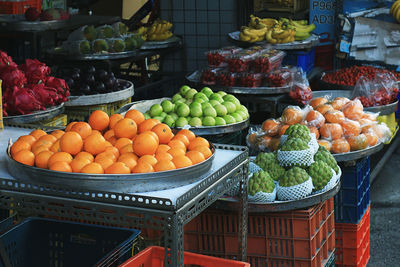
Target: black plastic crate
pixel 45 242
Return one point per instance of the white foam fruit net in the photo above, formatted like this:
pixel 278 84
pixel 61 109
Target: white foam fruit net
pixel 297 157
pixel 329 185
pixel 253 168
pixel 295 192
pixel 263 197
pixel 338 174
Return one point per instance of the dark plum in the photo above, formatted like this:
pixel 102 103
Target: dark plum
pixel 90 80
pixel 85 89
pixel 101 75
pixel 91 70
pixel 75 76
pixel 70 82
pixel 111 84
pixel 100 87
pixel 76 70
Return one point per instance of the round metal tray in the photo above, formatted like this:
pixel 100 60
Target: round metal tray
pixel 310 42
pixel 18 23
pixel 132 183
pixel 145 105
pixel 383 110
pixel 35 116
pixel 171 42
pixel 354 155
pixel 88 100
pixel 61 53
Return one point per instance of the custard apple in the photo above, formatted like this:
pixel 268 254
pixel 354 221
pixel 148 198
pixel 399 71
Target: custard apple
pixel 293 144
pixel 261 181
pixel 293 176
pixel 299 131
pixel 320 173
pixel 268 162
pixel 325 156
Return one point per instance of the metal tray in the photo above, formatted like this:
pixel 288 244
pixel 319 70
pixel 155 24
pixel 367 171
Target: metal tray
pixel 145 105
pixel 195 78
pixel 310 42
pixel 61 53
pixel 132 183
pixel 18 23
pixel 35 116
pixel 88 100
pixel 354 155
pixel 171 42
pixel 383 110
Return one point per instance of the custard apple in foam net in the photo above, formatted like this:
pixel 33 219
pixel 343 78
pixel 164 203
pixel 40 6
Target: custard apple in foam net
pixel 294 144
pixel 320 173
pixel 299 131
pixel 294 176
pixel 325 156
pixel 261 181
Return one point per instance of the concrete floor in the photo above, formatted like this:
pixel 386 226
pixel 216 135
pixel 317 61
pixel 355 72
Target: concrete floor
pixel 385 215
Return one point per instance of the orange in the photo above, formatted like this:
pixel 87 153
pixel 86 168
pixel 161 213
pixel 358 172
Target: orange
pixel 182 138
pixel 145 144
pixel 205 150
pixel 113 150
pixel 150 133
pixel 188 133
pixel 125 128
pixel 69 126
pixel 18 146
pixel 162 148
pixel 177 144
pixel 358 142
pixel 270 126
pixel 48 137
pixel 114 119
pixel 118 168
pixel 84 155
pixel 369 116
pixel 41 142
pixel 143 167
pixel 93 167
pixel 94 144
pixel 324 108
pixel 41 159
pixel 99 120
pixel 339 102
pixel 71 142
pixel 128 160
pixel 198 141
pixel 37 133
pixel 60 166
pixel 148 158
pixel 130 154
pixel 25 157
pixel 147 125
pixel 112 140
pixel 195 156
pixel 372 139
pixel 351 128
pixel 274 143
pixel 121 142
pixel 164 165
pixel 292 116
pixel 182 162
pixel 353 110
pixel 78 163
pixel 315 119
pixel 340 146
pixel 96 132
pixel 325 143
pixel 264 142
pixel 110 133
pixel 163 155
pixel 82 128
pixel 39 149
pixel 126 149
pixel 104 161
pixel 176 151
pixel 334 116
pixel 135 115
pixel 57 133
pixel 60 156
pixel 105 155
pixel 27 138
pixel 331 131
pixel 318 101
pixel 314 130
pixel 283 129
pixel 163 133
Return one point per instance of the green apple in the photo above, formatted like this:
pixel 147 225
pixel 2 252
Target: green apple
pixel 229 119
pixel 181 121
pixel 200 100
pixel 222 93
pixel 176 97
pixel 184 89
pixel 242 114
pixel 183 110
pixel 161 119
pixel 214 102
pixel 174 116
pixel 221 110
pixel 207 91
pixel 188 102
pixel 163 115
pixel 200 95
pixel 208 121
pixel 209 111
pixel 195 122
pixel 155 110
pixel 244 109
pixel 232 99
pixel 230 107
pixel 220 121
pixel 146 115
pixel 217 97
pixel 169 120
pixel 196 110
pixel 167 106
pixel 237 117
pixel 190 94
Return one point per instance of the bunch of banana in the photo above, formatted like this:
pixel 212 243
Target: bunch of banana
pixel 280 34
pixel 252 35
pixel 159 31
pixel 142 31
pixel 257 23
pixel 395 10
pixel 303 30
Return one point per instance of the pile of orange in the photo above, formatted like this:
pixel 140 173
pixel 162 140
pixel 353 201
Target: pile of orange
pixel 340 125
pixel 113 145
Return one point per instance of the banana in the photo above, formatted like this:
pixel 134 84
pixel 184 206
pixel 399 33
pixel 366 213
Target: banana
pixel 396 12
pixel 259 25
pixel 281 34
pixel 268 37
pixel 269 22
pixel 299 36
pixel 260 38
pixel 302 22
pixel 244 37
pixel 299 27
pixel 152 29
pixel 394 6
pixel 253 32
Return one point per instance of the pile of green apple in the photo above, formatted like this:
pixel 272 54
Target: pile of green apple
pixel 204 108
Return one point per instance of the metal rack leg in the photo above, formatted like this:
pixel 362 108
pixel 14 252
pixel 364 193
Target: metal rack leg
pixel 173 237
pixel 243 215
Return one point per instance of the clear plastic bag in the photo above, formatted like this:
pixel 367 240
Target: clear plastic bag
pixel 364 91
pixel 268 60
pixel 248 79
pixel 209 76
pixel 227 78
pixel 385 89
pixel 300 91
pixel 278 78
pixel 217 58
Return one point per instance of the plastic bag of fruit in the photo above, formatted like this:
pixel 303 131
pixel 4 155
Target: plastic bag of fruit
pixel 268 60
pixel 209 75
pixel 279 78
pixel 300 91
pixel 385 89
pixel 217 58
pixel 364 90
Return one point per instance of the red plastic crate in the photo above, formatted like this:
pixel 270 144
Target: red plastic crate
pixel 154 257
pixel 8 7
pixel 353 242
pixel 294 238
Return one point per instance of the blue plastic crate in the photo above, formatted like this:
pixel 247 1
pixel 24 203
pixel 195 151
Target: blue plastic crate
pixel 45 242
pixel 303 59
pixel 353 197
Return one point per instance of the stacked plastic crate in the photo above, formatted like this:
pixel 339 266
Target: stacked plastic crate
pixel 352 215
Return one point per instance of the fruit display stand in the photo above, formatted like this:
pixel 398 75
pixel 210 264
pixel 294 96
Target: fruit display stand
pixel 166 210
pixel 36 116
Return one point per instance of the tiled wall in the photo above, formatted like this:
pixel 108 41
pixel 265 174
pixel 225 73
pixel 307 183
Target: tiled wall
pixel 204 25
